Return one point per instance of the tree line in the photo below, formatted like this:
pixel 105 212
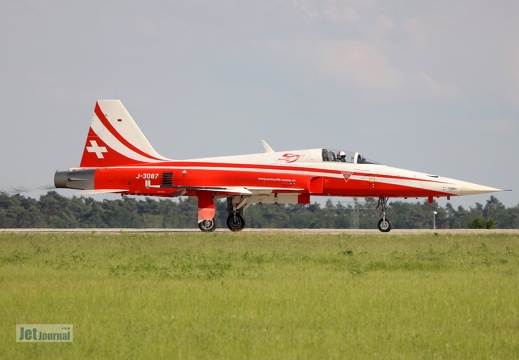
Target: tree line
pixel 55 211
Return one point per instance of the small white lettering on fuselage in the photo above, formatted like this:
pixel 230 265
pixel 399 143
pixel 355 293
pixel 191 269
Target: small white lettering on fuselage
pixel 147 176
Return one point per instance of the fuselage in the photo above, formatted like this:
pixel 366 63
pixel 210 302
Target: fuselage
pixel 118 158
pixel 302 172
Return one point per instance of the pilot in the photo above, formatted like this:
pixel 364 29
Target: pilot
pixel 341 156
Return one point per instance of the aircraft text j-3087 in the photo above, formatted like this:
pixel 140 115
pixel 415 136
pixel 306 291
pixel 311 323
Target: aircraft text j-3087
pixel 117 158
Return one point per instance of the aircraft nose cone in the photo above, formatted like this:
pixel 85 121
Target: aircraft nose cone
pixel 467 188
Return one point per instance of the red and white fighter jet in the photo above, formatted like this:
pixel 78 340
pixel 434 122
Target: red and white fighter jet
pixel 118 158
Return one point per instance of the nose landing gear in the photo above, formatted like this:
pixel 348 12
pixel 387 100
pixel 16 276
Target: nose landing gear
pixel 383 224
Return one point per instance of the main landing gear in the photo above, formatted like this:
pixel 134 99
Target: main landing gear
pixel 206 212
pixel 207 225
pixel 235 222
pixel 383 224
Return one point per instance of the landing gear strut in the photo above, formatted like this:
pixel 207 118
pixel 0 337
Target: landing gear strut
pixel 235 221
pixel 383 224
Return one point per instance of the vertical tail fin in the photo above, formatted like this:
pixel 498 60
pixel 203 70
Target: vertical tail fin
pixel 115 139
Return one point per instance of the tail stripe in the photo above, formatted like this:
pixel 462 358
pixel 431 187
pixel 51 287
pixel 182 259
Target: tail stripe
pixel 101 116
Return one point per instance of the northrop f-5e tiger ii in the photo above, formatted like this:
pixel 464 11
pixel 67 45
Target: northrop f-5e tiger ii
pixel 117 158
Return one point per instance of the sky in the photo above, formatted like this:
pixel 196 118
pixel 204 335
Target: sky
pixel 431 86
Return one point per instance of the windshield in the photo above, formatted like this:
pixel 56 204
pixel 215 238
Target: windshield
pixel 346 156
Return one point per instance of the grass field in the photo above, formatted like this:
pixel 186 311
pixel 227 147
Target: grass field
pixel 266 296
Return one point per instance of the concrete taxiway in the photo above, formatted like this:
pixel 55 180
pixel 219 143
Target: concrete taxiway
pixel 266 231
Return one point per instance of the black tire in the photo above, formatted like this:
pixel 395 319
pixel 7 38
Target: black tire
pixel 207 225
pixel 235 222
pixel 384 225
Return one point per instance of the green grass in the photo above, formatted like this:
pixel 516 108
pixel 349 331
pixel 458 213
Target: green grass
pixel 267 296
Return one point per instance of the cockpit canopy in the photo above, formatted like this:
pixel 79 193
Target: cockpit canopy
pixel 346 156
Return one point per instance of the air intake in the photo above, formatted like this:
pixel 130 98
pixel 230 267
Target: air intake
pixel 167 180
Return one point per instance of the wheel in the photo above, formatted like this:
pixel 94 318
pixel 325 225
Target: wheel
pixel 384 225
pixel 207 225
pixel 235 222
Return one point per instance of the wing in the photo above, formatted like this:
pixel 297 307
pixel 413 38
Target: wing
pixel 102 191
pixel 254 195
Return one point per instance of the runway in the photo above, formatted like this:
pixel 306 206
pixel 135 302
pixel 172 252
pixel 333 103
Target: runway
pixel 270 231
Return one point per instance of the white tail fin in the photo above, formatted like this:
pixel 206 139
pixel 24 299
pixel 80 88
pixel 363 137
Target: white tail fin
pixel 115 139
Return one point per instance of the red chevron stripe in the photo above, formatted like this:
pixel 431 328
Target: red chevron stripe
pixel 101 116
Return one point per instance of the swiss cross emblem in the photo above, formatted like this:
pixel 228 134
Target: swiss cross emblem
pixel 98 150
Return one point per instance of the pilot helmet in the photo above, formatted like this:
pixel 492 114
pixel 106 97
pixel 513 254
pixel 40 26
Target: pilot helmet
pixel 341 155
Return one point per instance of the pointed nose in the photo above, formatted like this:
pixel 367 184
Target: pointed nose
pixel 467 188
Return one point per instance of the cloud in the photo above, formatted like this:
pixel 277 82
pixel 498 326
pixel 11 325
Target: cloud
pixel 357 64
pixel 351 64
pixel 330 10
pixel 341 14
pixel 513 94
pixel 448 92
pixel 384 24
pixel 484 127
pixel 307 7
